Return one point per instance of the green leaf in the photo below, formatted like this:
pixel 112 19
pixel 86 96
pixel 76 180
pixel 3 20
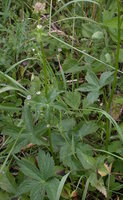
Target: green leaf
pixel 92 97
pixel 85 148
pixel 115 146
pixel 98 35
pixel 70 65
pixel 86 88
pixel 42 180
pixel 37 191
pixel 107 15
pixel 108 58
pixel 59 106
pixel 114 185
pixel 88 162
pixel 61 185
pixel 88 128
pixel 67 124
pixel 68 158
pixel 92 79
pixel 4 196
pixel 105 78
pixel 7 182
pixel 46 165
pixel 73 99
pixel 51 188
pixel 112 23
pixel 29 169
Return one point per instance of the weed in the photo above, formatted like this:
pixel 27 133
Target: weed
pixel 61 100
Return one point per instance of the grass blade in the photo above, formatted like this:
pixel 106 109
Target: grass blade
pixel 74 1
pixel 85 190
pixel 83 52
pixel 10 152
pixel 16 64
pixel 14 82
pixel 61 185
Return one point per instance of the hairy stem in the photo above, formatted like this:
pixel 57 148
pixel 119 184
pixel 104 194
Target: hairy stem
pixel 45 67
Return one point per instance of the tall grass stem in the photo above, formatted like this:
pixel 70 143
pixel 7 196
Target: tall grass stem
pixel 108 132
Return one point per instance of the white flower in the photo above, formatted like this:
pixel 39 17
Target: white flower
pixel 28 97
pixel 101 104
pixel 59 49
pixel 38 93
pixel 48 125
pixel 39 26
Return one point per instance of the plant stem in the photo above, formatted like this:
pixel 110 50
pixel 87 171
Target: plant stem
pixel 46 87
pixel 50 143
pixel 50 19
pixel 43 57
pixel 45 67
pixel 73 45
pixel 115 77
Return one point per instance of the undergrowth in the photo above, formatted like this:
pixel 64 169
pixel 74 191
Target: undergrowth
pixel 61 100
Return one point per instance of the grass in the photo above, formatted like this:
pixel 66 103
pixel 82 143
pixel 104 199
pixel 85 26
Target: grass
pixel 61 100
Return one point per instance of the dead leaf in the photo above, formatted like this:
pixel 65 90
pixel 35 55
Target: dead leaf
pixel 101 189
pixel 28 146
pixel 116 108
pixel 108 167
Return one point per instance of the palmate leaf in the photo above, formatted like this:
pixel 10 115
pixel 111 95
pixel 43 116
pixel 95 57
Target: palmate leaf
pixel 36 189
pixel 95 85
pixel 26 137
pixel 73 99
pixel 41 181
pixel 71 65
pixel 92 79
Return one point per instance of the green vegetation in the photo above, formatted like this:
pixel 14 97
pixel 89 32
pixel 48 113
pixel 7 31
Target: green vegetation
pixel 61 99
